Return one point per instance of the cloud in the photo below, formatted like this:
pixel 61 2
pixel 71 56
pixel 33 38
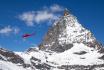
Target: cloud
pixel 8 30
pixel 43 16
pixel 16 30
pixel 46 14
pixel 28 17
pixel 56 8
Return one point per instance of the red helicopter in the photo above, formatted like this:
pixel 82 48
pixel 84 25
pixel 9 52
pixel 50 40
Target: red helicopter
pixel 27 35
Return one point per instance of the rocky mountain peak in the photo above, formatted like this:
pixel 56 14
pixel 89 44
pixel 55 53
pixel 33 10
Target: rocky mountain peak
pixel 66 12
pixel 64 32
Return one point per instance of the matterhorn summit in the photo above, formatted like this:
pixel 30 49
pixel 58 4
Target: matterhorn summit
pixel 66 46
pixel 65 32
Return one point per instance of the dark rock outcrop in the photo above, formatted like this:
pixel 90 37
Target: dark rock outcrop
pixel 11 56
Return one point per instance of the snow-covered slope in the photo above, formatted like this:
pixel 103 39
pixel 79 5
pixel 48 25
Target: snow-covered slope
pixel 66 46
pixel 79 54
pixel 66 31
pixel 74 32
pixel 4 65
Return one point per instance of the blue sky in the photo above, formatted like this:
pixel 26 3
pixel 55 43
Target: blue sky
pixel 18 17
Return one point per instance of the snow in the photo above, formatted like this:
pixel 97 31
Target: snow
pixel 25 56
pixel 100 68
pixel 57 69
pixel 49 44
pixel 69 58
pixel 2 49
pixel 3 57
pixel 10 66
pixel 74 31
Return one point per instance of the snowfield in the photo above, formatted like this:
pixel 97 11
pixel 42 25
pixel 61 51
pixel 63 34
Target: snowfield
pixel 79 54
pixel 4 65
pixel 69 58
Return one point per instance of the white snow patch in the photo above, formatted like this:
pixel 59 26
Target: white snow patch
pixel 10 66
pixel 25 56
pixel 69 58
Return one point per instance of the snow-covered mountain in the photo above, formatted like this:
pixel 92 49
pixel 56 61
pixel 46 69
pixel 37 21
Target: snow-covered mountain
pixel 65 32
pixel 66 46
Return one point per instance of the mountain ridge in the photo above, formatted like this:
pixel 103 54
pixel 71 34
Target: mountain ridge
pixel 66 46
pixel 68 30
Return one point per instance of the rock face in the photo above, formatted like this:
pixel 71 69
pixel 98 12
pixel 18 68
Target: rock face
pixel 10 56
pixel 66 46
pixel 66 31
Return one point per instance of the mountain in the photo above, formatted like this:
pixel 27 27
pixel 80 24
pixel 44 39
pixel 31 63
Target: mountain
pixel 65 32
pixel 66 46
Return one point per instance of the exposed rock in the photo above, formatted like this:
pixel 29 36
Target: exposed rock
pixel 80 53
pixel 11 56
